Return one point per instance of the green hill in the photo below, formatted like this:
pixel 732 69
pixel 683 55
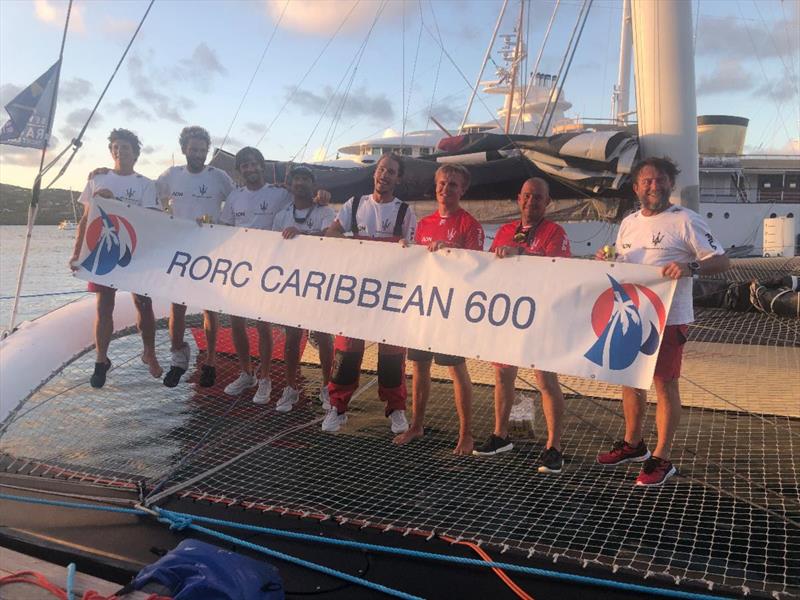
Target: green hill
pixel 54 206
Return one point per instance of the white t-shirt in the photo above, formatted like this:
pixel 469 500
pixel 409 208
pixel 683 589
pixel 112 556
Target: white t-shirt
pixel 308 220
pixel 193 195
pixel 377 219
pixel 131 189
pixel 254 209
pixel 674 235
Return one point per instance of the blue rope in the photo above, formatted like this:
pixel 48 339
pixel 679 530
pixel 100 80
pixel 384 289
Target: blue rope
pixel 43 295
pixel 70 580
pixel 181 521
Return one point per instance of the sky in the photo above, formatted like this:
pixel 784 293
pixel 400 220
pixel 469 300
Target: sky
pixel 337 71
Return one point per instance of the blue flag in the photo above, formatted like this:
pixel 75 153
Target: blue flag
pixel 29 125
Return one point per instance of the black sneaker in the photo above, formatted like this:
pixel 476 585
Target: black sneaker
pixel 493 445
pixel 173 376
pixel 550 461
pixel 208 376
pixel 98 378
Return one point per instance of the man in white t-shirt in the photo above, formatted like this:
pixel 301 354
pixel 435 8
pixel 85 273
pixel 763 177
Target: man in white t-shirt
pixel 678 240
pixel 303 217
pixel 378 216
pixel 255 206
pixel 194 191
pixel 126 186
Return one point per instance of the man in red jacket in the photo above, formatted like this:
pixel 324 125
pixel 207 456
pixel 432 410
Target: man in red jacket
pixel 532 235
pixel 450 226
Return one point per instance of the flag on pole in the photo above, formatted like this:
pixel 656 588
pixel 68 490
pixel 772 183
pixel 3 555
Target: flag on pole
pixel 30 112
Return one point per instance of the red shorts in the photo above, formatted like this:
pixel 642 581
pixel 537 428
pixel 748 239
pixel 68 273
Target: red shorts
pixel 668 364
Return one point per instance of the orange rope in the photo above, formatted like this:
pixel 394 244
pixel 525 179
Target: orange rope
pixel 37 579
pixel 499 572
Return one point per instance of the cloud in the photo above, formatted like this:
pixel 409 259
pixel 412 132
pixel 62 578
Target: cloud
pixel 145 88
pixel 78 117
pixel 359 103
pixel 731 37
pixel 445 113
pixel 52 13
pixel 254 128
pixel 8 91
pixel 323 18
pixel 150 149
pixel 728 76
pixel 74 89
pixel 25 157
pixel 130 110
pixel 114 26
pixel 199 69
pixel 232 144
pixel 779 90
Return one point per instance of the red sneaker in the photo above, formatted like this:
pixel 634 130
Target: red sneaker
pixel 655 472
pixel 622 452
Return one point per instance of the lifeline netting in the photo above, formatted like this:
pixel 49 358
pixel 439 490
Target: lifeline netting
pixel 730 521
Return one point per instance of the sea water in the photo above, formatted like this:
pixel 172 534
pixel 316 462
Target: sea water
pixel 48 282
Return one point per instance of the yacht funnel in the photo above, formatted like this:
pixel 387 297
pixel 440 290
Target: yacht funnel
pixel 721 134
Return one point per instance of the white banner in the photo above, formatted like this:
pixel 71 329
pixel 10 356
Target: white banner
pixel 578 317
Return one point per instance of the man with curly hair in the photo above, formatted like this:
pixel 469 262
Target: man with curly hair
pixel 125 185
pixel 194 191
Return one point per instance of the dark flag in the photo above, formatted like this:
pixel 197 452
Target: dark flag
pixel 29 125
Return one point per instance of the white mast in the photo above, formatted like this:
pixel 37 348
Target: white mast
pixel 621 97
pixel 665 92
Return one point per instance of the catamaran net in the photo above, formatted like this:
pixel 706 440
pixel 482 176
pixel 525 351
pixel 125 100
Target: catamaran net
pixel 730 521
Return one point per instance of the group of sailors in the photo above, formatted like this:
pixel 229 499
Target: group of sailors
pixel 660 233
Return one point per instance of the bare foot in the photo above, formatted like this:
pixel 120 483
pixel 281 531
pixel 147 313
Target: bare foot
pixel 408 436
pixel 152 364
pixel 464 446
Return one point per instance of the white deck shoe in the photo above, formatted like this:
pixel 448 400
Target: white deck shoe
pixel 263 391
pixel 325 398
pixel 288 399
pixel 180 357
pixel 240 384
pixel 333 421
pixel 399 423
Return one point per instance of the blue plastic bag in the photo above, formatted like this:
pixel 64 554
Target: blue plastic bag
pixel 195 570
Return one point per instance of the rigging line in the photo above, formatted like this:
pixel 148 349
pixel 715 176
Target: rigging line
pixel 487 56
pixel 439 64
pixel 308 71
pixel 76 142
pixel 587 6
pixel 413 69
pixel 403 85
pixel 329 136
pixel 790 73
pixel 778 105
pixel 359 52
pixel 538 60
pixel 255 72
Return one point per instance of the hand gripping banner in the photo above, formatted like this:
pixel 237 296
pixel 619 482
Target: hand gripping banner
pixel 593 319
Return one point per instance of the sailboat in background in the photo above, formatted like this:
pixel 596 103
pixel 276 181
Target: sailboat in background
pixel 66 224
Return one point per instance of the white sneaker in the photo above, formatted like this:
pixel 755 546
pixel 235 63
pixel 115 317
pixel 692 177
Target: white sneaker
pixel 325 397
pixel 333 421
pixel 263 391
pixel 399 423
pixel 289 397
pixel 240 384
pixel 180 357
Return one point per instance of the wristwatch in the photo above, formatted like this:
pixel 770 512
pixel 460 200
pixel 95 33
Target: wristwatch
pixel 694 268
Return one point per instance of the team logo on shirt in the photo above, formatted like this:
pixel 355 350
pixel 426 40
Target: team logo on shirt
pixel 111 240
pixel 627 319
pixel 203 189
pixel 657 237
pixel 385 224
pixel 130 193
pixel 451 234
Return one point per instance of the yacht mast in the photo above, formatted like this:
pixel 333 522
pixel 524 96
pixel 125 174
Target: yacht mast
pixel 515 67
pixel 621 97
pixel 665 90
